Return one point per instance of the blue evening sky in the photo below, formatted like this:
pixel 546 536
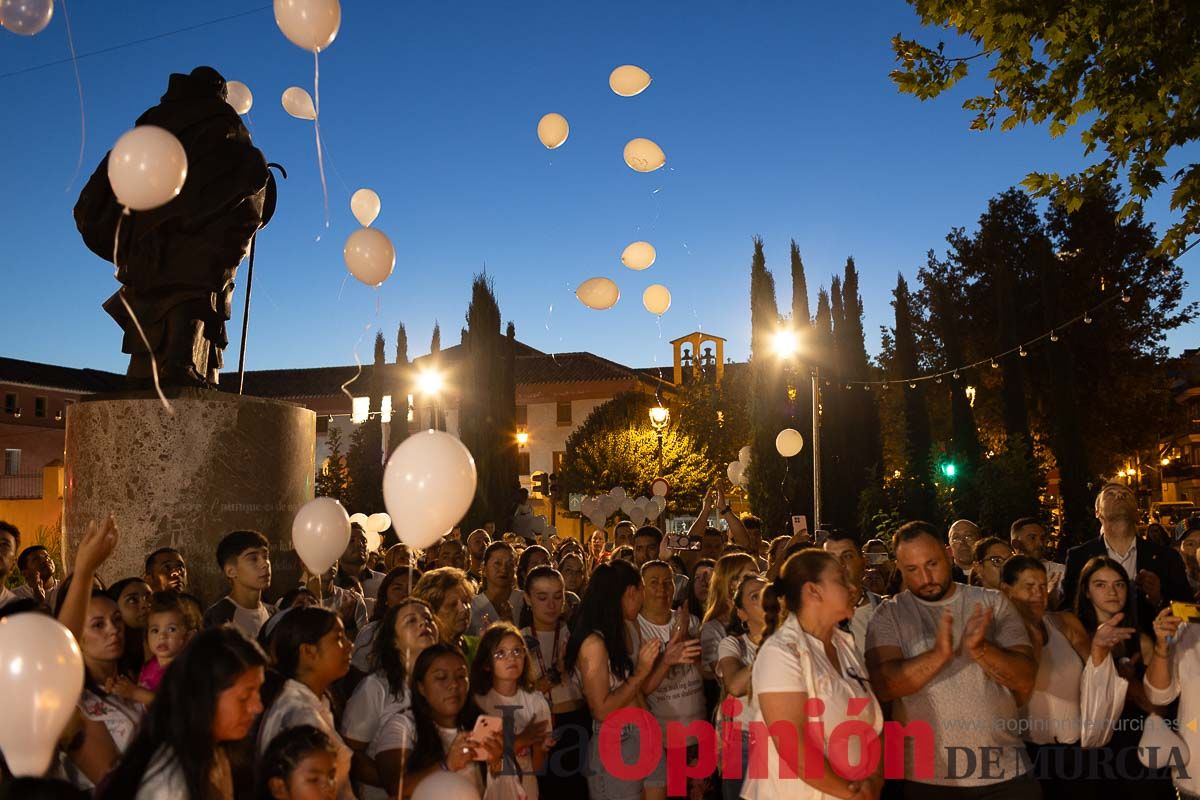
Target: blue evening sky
pixel 777 118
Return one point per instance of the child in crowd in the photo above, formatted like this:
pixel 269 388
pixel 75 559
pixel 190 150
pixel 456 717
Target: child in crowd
pixel 245 560
pixel 167 631
pixel 299 764
pixel 502 678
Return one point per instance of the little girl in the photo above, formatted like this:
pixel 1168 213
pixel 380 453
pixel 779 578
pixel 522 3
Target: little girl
pixel 502 677
pixel 167 631
pixel 299 764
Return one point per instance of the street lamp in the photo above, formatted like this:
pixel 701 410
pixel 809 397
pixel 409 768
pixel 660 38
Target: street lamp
pixel 786 344
pixel 660 415
pixel 522 438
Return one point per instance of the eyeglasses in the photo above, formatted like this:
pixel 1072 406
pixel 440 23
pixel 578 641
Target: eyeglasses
pixel 996 561
pixel 516 653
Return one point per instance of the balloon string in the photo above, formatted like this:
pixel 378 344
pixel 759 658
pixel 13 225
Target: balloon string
pixel 79 90
pixel 128 310
pixel 358 364
pixel 317 129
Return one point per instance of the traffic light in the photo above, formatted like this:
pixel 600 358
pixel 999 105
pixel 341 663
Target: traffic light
pixel 552 484
pixel 541 483
pixel 949 470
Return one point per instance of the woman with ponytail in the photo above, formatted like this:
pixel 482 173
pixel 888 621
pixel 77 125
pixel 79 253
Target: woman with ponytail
pixel 804 654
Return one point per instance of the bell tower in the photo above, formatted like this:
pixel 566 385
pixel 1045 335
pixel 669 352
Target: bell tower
pixel 694 362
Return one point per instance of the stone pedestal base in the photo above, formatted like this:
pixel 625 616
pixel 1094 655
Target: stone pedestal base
pixel 220 463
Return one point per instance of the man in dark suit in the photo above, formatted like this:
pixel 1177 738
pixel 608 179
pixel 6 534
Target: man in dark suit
pixel 1157 574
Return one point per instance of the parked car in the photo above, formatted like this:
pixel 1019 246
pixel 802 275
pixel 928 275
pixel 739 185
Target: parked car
pixel 1168 514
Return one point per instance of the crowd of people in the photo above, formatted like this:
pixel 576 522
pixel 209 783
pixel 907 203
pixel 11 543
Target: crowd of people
pixel 937 664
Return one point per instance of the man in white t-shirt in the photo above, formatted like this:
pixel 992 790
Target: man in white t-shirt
pixel 958 658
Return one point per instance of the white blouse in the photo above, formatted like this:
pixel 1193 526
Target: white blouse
pixel 791 660
pixel 297 705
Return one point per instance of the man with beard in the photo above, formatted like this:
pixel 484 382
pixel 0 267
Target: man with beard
pixel 166 569
pixel 37 568
pixel 958 658
pixel 353 564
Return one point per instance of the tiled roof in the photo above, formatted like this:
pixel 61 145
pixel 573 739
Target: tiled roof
pixel 69 379
pixel 574 368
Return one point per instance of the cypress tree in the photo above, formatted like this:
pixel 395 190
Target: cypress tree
pixel 768 400
pixel 398 429
pixel 918 499
pixel 487 418
pixel 802 466
pixel 365 458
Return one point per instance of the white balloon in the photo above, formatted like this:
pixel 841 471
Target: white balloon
pixel 41 678
pixel 147 168
pixel 628 505
pixel 428 485
pixel 618 493
pixel 587 505
pixel 744 454
pixel 643 155
pixel 598 521
pixel 320 533
pixel 552 130
pixel 639 255
pixel 628 80
pixel 1157 742
pixel 656 299
pixel 26 17
pixel 539 525
pixel 359 519
pixel 637 517
pixel 309 24
pixel 379 522
pixel 609 506
pixel 734 471
pixel 365 205
pixel 370 256
pixel 598 293
pixel 789 442
pixel 660 504
pixel 299 103
pixel 443 785
pixel 374 540
pixel 238 95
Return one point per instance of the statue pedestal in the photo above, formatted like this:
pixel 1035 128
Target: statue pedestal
pixel 221 462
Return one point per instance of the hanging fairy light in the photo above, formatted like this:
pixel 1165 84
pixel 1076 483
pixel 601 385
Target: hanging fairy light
pixel 1022 352
pixel 1054 336
pixel 994 364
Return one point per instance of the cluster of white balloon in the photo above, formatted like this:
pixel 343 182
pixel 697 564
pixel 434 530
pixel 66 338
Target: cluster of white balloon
pixel 641 155
pixel 736 470
pixel 638 510
pixel 26 17
pixel 428 485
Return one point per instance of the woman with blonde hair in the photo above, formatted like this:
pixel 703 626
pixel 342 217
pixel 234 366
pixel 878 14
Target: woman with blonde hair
pixel 726 578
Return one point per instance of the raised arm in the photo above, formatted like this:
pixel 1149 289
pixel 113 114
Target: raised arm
pixel 96 546
pixel 706 508
pixel 893 676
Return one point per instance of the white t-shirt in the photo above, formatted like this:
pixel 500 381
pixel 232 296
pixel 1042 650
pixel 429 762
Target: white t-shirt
pixel 744 650
pixel 791 660
pixel 526 708
pixel 680 696
pixel 296 705
pixel 568 689
pixel 1184 667
pixel 962 690
pixel 364 646
pixel 471 771
pixel 250 620
pixel 371 704
pixel 861 621
pixel 164 780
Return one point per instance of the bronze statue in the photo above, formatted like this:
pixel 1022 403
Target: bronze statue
pixel 177 263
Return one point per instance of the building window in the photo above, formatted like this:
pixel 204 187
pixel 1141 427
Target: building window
pixel 559 457
pixel 522 415
pixel 12 462
pixel 10 403
pixel 39 407
pixel 385 410
pixel 523 463
pixel 360 410
pixel 564 412
pixel 411 412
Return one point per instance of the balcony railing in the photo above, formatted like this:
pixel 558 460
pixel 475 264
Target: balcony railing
pixel 22 486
